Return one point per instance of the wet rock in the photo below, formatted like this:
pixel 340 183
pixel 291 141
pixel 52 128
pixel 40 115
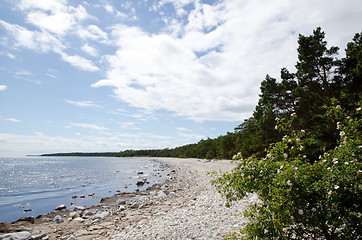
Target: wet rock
pixel 16 236
pixel 60 207
pixel 75 196
pixel 27 210
pixel 82 196
pixel 58 219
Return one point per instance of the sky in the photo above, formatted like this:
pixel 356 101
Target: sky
pixel 111 75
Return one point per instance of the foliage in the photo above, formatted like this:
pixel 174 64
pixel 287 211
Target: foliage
pixel 300 198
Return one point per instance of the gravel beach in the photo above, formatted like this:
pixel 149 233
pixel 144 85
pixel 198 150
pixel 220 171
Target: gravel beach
pixel 185 207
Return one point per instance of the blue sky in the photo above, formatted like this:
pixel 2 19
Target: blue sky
pixel 112 75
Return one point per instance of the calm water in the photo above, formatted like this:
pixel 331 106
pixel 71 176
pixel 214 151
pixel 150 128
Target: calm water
pixel 42 183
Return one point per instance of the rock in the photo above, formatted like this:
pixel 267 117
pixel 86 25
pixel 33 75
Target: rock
pixel 27 210
pixel 27 219
pixel 140 173
pixel 100 215
pixel 79 219
pixel 16 236
pixel 75 196
pixel 121 202
pixel 68 237
pixel 161 194
pixel 135 206
pixel 79 208
pixel 60 207
pixel 122 208
pixel 91 194
pixel 39 236
pixel 82 196
pixel 140 183
pixel 87 213
pixel 58 219
pixel 73 214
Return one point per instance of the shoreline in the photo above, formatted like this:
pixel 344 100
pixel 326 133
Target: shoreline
pixel 184 206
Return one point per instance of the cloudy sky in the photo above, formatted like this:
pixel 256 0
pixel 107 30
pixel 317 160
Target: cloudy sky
pixel 110 75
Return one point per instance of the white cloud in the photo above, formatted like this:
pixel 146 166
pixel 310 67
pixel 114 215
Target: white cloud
pixel 189 134
pixel 90 50
pixel 181 129
pixel 92 32
pixel 212 66
pixel 49 5
pixel 89 126
pixel 54 17
pixel 3 87
pixel 83 104
pixel 34 40
pixel 79 62
pixel 12 120
pixel 129 125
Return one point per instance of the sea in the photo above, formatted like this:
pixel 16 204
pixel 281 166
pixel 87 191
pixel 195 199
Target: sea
pixel 33 186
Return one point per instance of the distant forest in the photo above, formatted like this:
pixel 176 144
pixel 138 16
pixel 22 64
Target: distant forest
pixel 321 79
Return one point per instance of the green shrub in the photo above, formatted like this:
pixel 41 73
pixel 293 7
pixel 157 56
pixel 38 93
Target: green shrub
pixel 301 198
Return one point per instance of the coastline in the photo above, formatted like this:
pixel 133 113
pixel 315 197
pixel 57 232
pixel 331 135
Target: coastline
pixel 186 206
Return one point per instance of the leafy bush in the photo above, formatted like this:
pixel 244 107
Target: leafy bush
pixel 301 198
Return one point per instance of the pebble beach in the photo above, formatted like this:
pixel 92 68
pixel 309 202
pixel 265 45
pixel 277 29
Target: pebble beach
pixel 186 206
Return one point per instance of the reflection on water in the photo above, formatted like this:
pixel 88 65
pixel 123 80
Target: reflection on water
pixel 40 184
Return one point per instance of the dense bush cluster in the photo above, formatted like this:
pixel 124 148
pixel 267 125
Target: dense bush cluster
pixel 302 198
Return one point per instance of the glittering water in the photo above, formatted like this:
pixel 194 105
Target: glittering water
pixel 40 184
